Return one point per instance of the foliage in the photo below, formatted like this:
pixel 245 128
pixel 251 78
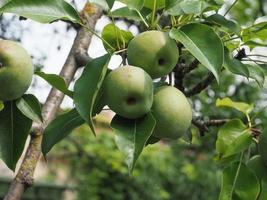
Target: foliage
pixel 175 171
pixel 215 41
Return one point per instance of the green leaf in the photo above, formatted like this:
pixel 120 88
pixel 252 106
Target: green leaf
pixel 233 138
pixel 87 87
pixel 134 4
pixel 235 66
pixel 169 3
pixel 116 37
pixel 239 183
pixel 175 10
pixel 110 3
pixel 222 21
pixel 256 31
pixel 192 6
pixel 55 81
pixel 203 43
pixel 127 13
pixel 132 136
pixel 14 129
pixel 59 128
pixel 102 3
pixel 42 11
pixel 240 106
pixel 29 105
pixel 256 73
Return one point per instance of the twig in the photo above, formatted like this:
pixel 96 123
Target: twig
pixel 191 66
pixel 24 177
pixel 203 126
pixel 230 8
pixel 201 86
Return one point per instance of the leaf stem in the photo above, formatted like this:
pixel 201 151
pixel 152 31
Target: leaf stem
pixel 230 39
pixel 249 121
pixel 120 51
pixel 230 8
pixel 153 13
pixel 237 173
pixel 142 18
pixel 98 36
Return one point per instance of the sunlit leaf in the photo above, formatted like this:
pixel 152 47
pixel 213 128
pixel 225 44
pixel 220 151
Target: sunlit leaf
pixel 203 43
pixel 240 106
pixel 132 136
pixel 87 87
pixel 233 138
pixel 42 11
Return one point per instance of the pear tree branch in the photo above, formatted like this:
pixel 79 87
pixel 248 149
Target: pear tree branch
pixel 77 57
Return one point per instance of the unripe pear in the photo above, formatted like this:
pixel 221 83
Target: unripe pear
pixel 129 91
pixel 16 70
pixel 154 51
pixel 172 112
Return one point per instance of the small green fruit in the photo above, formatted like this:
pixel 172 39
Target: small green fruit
pixel 129 92
pixel 154 51
pixel 150 4
pixel 263 146
pixel 172 111
pixel 16 70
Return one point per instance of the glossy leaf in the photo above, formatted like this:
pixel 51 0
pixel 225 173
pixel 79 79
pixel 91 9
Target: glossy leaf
pixel 235 66
pixel 102 3
pixel 134 4
pixel 87 87
pixel 239 183
pixel 59 128
pixel 55 81
pixel 116 37
pixel 256 73
pixel 132 136
pixel 127 13
pixel 192 6
pixel 110 3
pixel 233 138
pixel 240 106
pixel 29 105
pixel 223 22
pixel 42 11
pixel 203 43
pixel 14 130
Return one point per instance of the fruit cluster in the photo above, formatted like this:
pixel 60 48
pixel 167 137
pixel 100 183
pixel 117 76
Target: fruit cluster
pixel 129 90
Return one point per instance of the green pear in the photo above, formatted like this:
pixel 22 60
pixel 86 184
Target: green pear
pixel 172 112
pixel 150 4
pixel 263 146
pixel 16 70
pixel 129 91
pixel 154 51
pixel 257 166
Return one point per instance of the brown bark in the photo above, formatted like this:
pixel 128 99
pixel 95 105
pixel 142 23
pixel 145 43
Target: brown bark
pixel 75 59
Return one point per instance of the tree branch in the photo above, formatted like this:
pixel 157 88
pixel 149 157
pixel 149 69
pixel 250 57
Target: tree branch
pixel 200 86
pixel 24 177
pixel 203 126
